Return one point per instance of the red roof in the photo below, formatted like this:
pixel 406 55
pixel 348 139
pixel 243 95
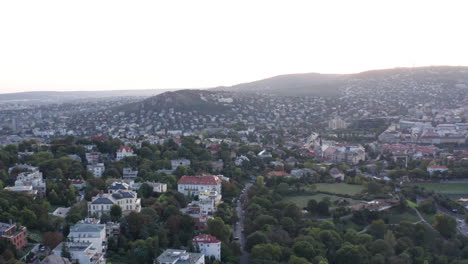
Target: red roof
pixel 202 180
pixel 205 238
pixel 126 148
pixel 277 173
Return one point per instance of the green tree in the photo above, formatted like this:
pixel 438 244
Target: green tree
pixel 270 252
pixel 217 228
pixel 377 228
pixel 254 239
pixel 297 260
pixel 445 224
pixel 115 212
pixel 145 190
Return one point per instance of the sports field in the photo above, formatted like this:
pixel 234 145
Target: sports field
pixel 455 188
pixel 339 188
pixel 302 200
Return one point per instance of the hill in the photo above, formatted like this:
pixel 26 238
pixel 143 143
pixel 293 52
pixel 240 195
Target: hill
pixel 201 101
pixel 376 81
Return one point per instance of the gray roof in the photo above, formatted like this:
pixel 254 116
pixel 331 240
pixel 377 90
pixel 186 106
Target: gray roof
pixel 89 228
pixel 177 256
pixel 102 200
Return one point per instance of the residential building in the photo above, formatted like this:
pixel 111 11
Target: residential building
pixel 337 174
pixel 193 185
pixel 436 168
pixel 123 152
pixel 90 232
pixel 96 169
pixel 157 186
pixel 93 157
pixel 209 245
pixel 15 234
pixel 102 203
pixel 81 252
pixel 33 179
pixel 129 173
pixel 179 256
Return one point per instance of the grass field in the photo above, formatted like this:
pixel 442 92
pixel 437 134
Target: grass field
pixel 301 200
pixel 395 217
pixel 339 188
pixel 411 204
pixel 450 189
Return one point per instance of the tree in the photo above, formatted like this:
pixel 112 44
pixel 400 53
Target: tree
pixel 297 260
pixel 115 212
pixel 323 208
pixel 445 224
pixel 217 228
pixel 145 190
pixel 65 253
pixel 350 254
pixel 378 228
pixel 271 252
pixel 254 239
pixel 312 206
pixel 52 239
pixel 304 249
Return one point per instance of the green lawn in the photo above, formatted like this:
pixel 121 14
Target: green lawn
pixel 411 204
pixel 339 188
pixel 395 217
pixel 451 189
pixel 301 200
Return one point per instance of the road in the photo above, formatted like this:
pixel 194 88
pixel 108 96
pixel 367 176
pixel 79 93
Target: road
pixel 237 228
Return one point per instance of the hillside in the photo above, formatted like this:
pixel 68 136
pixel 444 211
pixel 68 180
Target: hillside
pixel 182 100
pixel 401 80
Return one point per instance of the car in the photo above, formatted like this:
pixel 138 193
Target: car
pixel 236 238
pixel 42 248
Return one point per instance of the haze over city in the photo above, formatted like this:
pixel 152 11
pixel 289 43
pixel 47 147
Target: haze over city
pixel 111 45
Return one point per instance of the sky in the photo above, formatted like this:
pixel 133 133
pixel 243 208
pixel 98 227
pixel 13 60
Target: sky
pixel 111 45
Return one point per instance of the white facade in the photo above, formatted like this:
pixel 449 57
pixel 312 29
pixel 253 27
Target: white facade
pixel 92 233
pixel 209 245
pixel 96 169
pixel 179 256
pixel 33 179
pixel 193 185
pixel 124 152
pixel 102 203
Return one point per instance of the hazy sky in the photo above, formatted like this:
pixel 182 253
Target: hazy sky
pixel 102 45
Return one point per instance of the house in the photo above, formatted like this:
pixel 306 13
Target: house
pixel 436 168
pixel 264 154
pixel 337 174
pixel 81 252
pixel 15 234
pixel 33 179
pixel 217 165
pixel 240 160
pixel 179 162
pixel 129 173
pixel 179 256
pixel 22 189
pixel 123 152
pixel 103 202
pixel 61 212
pixel 302 172
pixel 209 245
pixel 157 186
pixel 96 169
pixel 193 185
pixel 93 157
pixel 93 233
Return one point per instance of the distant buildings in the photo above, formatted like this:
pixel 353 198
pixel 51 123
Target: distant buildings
pixel 436 168
pixel 180 162
pixel 16 235
pixel 337 123
pixel 129 173
pixel 178 256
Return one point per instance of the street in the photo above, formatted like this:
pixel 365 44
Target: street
pixel 239 227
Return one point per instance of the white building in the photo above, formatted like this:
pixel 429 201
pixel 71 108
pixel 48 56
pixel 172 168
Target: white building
pixel 208 245
pixel 96 169
pixel 157 186
pixel 102 203
pixel 178 256
pixel 123 152
pixel 193 185
pixel 80 252
pixel 92 233
pixel 33 179
pixel 129 173
pixel 432 169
